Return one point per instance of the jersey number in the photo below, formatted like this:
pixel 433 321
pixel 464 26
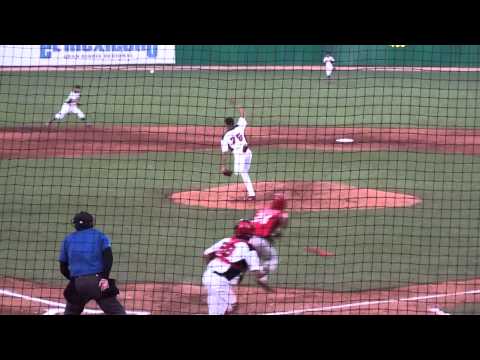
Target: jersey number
pixel 225 250
pixel 262 218
pixel 239 137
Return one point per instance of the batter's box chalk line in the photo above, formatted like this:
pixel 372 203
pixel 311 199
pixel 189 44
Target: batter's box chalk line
pixel 57 307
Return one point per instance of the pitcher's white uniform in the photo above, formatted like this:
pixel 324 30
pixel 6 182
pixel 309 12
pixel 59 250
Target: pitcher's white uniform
pixel 328 61
pixel 233 257
pixel 70 106
pixel 234 141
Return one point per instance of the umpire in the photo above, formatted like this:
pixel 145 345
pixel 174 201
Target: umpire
pixel 86 260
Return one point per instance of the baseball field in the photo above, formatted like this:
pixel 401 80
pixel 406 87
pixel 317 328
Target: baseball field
pixel 387 224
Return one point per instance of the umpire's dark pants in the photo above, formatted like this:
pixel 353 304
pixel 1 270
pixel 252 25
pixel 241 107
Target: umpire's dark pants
pixel 87 289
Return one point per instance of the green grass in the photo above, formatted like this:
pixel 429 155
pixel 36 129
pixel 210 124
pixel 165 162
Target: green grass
pixel 156 240
pixel 271 98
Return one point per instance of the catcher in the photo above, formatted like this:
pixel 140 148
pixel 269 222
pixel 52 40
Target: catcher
pixel 234 141
pixel 228 260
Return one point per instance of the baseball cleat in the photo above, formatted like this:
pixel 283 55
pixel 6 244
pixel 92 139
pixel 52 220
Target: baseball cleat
pixel 251 198
pixel 232 309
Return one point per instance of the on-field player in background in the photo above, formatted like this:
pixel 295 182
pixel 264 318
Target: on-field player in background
pixel 328 60
pixel 227 261
pixel 268 226
pixel 234 141
pixel 71 106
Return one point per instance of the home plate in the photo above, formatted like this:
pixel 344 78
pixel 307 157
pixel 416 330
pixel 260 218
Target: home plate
pixel 344 140
pixel 318 251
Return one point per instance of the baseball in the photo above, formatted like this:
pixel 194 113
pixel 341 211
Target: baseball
pixel 152 71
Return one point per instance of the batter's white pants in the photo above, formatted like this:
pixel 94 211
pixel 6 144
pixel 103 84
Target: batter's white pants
pixel 221 297
pixel 266 252
pixel 242 167
pixel 68 108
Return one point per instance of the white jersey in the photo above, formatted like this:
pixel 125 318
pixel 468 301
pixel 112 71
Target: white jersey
pixel 234 140
pixel 73 98
pixel 232 257
pixel 328 60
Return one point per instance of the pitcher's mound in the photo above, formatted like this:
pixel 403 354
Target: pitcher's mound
pixel 301 196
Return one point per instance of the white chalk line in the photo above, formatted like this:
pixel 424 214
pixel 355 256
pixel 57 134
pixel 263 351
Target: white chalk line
pixel 58 307
pixel 376 302
pixel 438 311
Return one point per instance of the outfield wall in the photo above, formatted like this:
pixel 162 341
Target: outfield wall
pixel 346 55
pixel 80 55
pixel 445 56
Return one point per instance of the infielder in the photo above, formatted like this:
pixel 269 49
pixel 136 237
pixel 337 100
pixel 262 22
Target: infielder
pixel 234 141
pixel 268 225
pixel 228 260
pixel 328 60
pixel 70 106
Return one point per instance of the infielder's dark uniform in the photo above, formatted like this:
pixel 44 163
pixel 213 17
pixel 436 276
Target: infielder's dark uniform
pixel 85 259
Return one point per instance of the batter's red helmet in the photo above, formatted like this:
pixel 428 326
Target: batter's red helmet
pixel 244 229
pixel 278 202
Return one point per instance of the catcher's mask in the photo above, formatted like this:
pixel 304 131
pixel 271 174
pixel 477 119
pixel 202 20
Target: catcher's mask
pixel 83 220
pixel 244 229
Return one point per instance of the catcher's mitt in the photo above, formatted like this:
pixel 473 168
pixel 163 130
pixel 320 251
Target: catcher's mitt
pixel 227 172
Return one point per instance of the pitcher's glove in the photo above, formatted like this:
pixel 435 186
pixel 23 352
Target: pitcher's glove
pixel 227 172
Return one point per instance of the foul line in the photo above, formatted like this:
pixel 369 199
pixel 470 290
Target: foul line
pixel 376 302
pixel 59 306
pixel 438 311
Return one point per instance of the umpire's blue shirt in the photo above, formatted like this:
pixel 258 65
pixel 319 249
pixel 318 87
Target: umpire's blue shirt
pixel 83 251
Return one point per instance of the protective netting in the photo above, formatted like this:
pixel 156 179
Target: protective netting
pixel 376 157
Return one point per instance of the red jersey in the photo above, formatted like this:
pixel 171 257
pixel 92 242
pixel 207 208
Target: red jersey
pixel 267 221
